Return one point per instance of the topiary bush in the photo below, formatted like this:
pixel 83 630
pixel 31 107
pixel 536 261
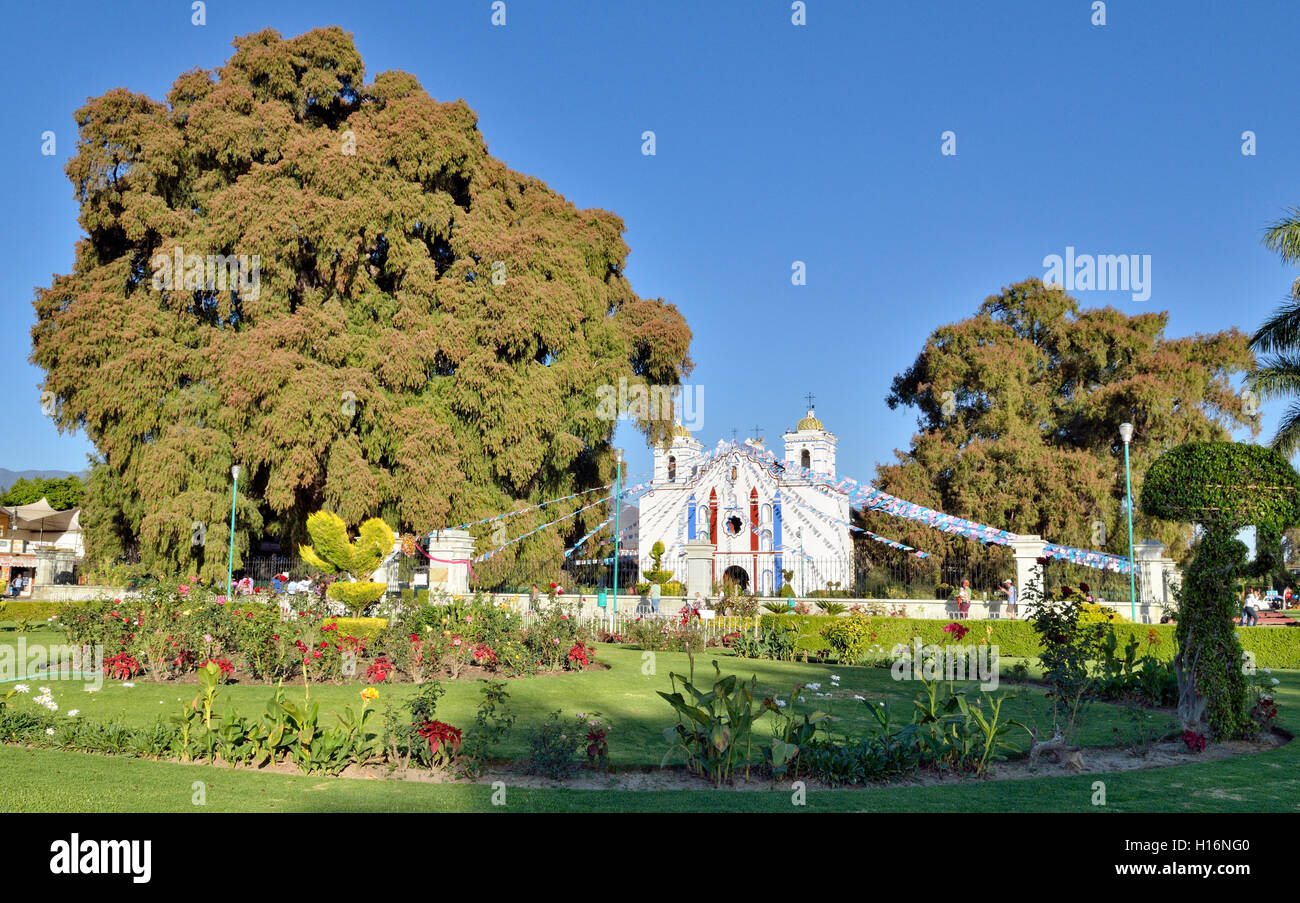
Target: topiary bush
pixel 1223 486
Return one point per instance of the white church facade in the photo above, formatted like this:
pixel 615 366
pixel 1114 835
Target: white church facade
pixel 759 514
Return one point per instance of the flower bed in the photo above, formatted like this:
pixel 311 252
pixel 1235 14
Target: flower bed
pixel 167 633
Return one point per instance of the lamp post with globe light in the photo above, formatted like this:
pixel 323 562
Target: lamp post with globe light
pixel 618 476
pixel 230 558
pixel 1126 434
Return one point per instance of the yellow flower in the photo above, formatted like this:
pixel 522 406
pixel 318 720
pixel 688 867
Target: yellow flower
pixel 369 693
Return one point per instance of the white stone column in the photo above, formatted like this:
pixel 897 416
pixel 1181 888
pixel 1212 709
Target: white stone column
pixel 1152 563
pixel 699 567
pixel 1028 549
pixel 451 549
pixel 45 559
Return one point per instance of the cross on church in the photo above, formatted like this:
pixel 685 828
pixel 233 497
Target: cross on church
pixel 810 398
pixel 733 434
pixel 758 431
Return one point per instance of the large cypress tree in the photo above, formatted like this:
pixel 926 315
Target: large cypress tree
pixel 419 331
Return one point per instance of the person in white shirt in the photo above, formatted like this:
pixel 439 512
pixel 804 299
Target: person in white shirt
pixel 1250 610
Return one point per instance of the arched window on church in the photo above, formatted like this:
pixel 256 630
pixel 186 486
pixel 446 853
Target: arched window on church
pixel 766 585
pixel 805 459
pixel 672 469
pixel 766 516
pixel 733 473
pixel 765 541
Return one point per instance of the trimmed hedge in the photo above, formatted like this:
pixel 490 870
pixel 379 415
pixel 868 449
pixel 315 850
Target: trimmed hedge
pixel 1274 647
pixel 36 610
pixel 359 627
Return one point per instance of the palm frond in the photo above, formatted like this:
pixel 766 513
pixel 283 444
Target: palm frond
pixel 1287 440
pixel 1281 331
pixel 1276 376
pixel 1283 236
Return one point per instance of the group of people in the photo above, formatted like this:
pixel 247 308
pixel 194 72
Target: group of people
pixel 1007 590
pixel 283 583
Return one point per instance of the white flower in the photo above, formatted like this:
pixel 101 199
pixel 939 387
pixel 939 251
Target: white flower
pixel 22 688
pixel 1268 670
pixel 128 685
pixel 43 700
pixel 92 689
pixel 1275 681
pixel 835 677
pixel 49 731
pixel 814 686
pixel 73 713
pixel 780 703
pixel 45 690
pixel 859 698
pixel 53 706
pixel 801 699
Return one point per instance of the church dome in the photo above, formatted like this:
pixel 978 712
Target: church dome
pixel 679 431
pixel 809 423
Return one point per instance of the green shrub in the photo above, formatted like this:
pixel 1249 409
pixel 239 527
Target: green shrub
pixel 1272 647
pixel 27 609
pixel 849 637
pixel 369 628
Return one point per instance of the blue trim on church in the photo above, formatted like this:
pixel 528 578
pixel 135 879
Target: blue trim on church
pixel 776 538
pixel 690 519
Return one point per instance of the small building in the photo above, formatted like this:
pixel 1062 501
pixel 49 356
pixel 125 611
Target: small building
pixel 39 544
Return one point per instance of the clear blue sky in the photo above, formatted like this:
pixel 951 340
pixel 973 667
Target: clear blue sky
pixel 776 143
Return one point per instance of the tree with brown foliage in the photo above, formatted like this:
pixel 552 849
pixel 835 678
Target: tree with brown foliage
pixel 1028 438
pixel 333 284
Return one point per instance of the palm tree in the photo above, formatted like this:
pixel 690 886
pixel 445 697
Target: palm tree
pixel 1278 374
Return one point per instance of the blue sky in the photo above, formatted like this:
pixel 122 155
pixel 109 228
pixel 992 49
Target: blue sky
pixel 775 144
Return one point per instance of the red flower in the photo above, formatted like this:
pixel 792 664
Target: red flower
pixel 957 630
pixel 440 734
pixel 1195 741
pixel 379 670
pixel 224 664
pixel 483 654
pixel 578 654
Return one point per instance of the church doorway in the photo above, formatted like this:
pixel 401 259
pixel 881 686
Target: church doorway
pixel 736 576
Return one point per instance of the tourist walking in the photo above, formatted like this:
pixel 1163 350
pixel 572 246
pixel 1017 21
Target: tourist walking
pixel 1009 588
pixel 655 592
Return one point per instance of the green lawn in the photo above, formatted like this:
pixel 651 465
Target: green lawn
pixel 48 780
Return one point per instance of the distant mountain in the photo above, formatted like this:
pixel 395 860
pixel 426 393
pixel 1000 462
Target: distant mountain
pixel 9 477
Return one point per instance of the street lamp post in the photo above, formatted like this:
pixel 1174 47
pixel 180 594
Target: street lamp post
pixel 618 476
pixel 230 558
pixel 1126 434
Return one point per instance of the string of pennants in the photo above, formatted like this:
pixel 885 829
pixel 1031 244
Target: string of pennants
pixel 569 551
pixel 892 543
pixel 625 492
pixel 874 499
pixel 1099 560
pixel 497 517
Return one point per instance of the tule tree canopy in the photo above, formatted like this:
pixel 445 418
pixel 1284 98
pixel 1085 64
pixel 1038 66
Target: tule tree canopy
pixel 330 282
pixel 1223 486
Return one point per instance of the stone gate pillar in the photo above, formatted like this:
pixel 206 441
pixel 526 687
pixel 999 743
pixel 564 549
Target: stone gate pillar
pixel 699 568
pixel 450 551
pixel 1153 589
pixel 1028 549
